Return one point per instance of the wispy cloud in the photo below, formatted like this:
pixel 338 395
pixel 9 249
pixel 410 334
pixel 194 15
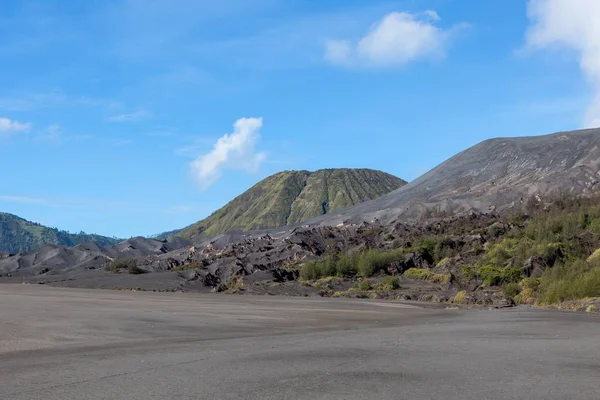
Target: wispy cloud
pixel 8 126
pixel 198 145
pixel 396 40
pixel 136 116
pixel 571 25
pixel 233 151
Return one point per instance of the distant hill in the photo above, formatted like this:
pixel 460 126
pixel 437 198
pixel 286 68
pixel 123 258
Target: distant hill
pixel 18 235
pixel 294 196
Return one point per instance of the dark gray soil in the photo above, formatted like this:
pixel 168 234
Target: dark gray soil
pixel 58 344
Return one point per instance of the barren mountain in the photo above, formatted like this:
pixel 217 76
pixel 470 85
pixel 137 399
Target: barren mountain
pixel 493 175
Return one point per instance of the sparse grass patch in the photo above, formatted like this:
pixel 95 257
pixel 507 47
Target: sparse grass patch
pixel 442 262
pixel 460 298
pixel 426 275
pixel 591 309
pixel 526 296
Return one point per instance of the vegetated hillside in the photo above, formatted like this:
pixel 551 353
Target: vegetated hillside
pixel 294 196
pixel 493 175
pixel 19 235
pixel 532 235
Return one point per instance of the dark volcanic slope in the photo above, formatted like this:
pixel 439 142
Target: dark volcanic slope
pixel 495 174
pixel 53 260
pixel 294 196
pixel 19 235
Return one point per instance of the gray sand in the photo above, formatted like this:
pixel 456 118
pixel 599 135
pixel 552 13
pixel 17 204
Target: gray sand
pixel 91 344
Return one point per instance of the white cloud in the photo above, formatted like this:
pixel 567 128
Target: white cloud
pixel 234 151
pixel 131 117
pixel 395 40
pixel 570 25
pixel 8 125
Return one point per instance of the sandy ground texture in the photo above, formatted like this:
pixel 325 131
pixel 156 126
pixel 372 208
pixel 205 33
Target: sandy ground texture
pixel 58 343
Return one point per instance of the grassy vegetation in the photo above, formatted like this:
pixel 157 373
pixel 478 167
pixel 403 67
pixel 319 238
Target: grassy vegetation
pixel 364 285
pixel 460 298
pixel 559 244
pixel 564 238
pixel 19 235
pixel 426 275
pixel 366 264
pixel 572 281
pixel 121 264
pixel 390 283
pixel 294 196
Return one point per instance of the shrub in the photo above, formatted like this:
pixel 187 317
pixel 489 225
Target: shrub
pixel 497 276
pixel 426 275
pixel 460 298
pixel 573 281
pixel 591 309
pixel 512 289
pixel 119 264
pixel 366 264
pixel 527 296
pixel 364 285
pixel 371 262
pixel 390 283
pixel 135 270
pixel 310 271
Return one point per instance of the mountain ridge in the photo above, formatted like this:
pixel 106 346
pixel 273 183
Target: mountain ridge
pixel 19 235
pixel 494 174
pixel 290 197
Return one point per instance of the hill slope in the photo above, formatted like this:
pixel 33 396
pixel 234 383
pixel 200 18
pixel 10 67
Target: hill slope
pixel 294 196
pixel 19 235
pixel 492 175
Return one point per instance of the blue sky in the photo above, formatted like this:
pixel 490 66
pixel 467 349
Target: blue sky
pixel 132 117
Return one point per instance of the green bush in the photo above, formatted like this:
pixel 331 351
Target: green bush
pixel 512 289
pixel 390 283
pixel 372 262
pixel 497 276
pixel 577 280
pixel 426 275
pixel 366 264
pixel 364 285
